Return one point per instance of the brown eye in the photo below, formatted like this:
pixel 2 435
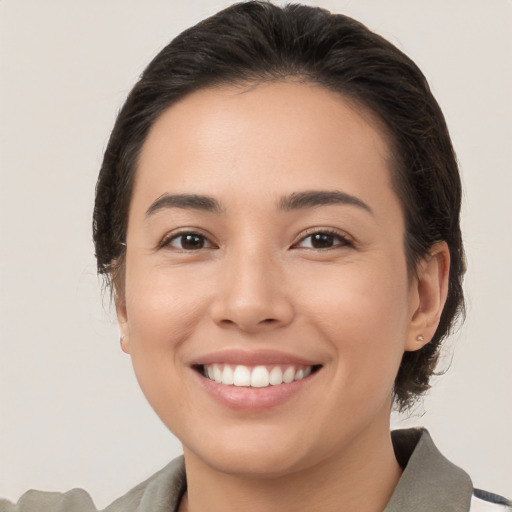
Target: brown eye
pixel 188 242
pixel 323 240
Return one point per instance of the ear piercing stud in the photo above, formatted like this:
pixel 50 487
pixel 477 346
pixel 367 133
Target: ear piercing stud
pixel 420 338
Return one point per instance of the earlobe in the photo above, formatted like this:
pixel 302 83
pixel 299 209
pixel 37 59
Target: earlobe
pixel 122 320
pixel 123 341
pixel 429 296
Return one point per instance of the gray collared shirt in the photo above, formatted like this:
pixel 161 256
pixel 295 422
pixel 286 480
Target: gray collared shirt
pixel 429 483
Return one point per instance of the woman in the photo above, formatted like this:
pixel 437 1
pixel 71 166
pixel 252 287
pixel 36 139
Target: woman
pixel 278 215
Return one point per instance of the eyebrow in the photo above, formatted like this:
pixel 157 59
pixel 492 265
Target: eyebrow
pixel 314 198
pixel 186 201
pixel 295 201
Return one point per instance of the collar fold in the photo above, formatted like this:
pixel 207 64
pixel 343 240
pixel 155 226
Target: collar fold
pixel 429 481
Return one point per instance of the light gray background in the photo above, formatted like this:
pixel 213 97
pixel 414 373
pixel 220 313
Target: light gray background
pixel 71 413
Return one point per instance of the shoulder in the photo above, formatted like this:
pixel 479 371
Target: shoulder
pixel 76 500
pixel 431 482
pixel 159 493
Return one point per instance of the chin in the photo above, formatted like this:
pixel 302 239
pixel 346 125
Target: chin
pixel 259 466
pixel 247 456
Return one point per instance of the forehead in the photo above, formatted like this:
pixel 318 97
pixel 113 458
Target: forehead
pixel 268 137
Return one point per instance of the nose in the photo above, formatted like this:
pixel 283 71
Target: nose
pixel 252 295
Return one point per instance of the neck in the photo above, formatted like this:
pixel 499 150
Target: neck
pixel 361 479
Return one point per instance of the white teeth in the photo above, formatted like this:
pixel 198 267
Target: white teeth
pixel 242 376
pixel 227 375
pixel 259 377
pixel 276 376
pixel 289 374
pixel 256 377
pixel 217 374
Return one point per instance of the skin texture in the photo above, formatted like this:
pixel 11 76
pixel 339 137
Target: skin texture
pixel 258 284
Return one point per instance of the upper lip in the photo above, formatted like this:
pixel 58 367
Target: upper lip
pixel 252 358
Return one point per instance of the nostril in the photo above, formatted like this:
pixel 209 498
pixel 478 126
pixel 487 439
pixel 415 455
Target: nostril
pixel 265 321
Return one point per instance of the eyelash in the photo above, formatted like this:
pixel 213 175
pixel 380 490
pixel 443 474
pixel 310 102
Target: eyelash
pixel 343 240
pixel 166 242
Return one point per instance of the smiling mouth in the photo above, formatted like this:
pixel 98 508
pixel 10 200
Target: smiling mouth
pixel 261 376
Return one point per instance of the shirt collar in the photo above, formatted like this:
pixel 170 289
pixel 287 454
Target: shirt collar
pixel 429 481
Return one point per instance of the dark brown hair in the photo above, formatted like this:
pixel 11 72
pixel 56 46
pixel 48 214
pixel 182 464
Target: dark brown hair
pixel 256 42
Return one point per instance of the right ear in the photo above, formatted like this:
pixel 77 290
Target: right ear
pixel 122 320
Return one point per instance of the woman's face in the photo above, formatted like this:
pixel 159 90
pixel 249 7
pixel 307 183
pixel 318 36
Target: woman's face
pixel 265 242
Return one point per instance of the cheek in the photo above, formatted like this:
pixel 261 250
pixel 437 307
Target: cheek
pixel 163 308
pixel 363 314
pixel 363 296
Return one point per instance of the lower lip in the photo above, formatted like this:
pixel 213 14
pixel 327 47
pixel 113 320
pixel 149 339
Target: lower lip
pixel 253 399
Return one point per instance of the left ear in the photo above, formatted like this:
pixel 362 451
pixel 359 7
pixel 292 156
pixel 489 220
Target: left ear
pixel 428 296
